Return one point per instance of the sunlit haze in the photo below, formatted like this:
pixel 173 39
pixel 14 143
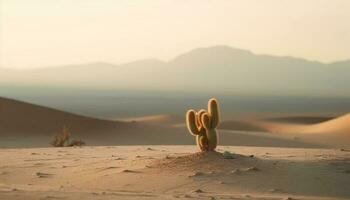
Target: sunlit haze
pixel 39 33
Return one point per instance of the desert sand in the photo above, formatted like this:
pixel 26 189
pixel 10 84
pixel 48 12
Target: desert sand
pixel 154 157
pixel 174 172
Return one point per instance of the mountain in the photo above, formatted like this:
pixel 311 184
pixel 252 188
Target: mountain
pixel 213 69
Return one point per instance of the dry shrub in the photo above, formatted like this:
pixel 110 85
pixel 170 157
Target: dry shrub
pixel 62 138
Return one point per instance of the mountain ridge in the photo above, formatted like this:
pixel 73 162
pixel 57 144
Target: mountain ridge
pixel 195 50
pixel 217 68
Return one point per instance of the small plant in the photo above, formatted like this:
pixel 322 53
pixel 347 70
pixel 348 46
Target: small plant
pixel 62 139
pixel 203 125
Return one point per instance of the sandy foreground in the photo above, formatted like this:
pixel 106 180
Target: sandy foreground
pixel 174 172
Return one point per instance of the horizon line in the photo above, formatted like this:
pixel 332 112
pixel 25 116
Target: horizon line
pixel 50 66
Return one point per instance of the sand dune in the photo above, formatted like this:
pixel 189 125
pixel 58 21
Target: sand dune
pixel 22 118
pixel 274 124
pixel 340 125
pixel 21 122
pixel 174 172
pixel 24 124
pixel 334 132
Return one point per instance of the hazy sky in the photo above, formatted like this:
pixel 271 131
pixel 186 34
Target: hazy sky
pixel 37 33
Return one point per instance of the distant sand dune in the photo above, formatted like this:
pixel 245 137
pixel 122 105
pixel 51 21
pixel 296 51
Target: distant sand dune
pixel 26 119
pixel 334 132
pixel 340 125
pixel 334 126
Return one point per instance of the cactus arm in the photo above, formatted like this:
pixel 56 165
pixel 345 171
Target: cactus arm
pixel 213 111
pixel 206 121
pixel 199 117
pixel 191 122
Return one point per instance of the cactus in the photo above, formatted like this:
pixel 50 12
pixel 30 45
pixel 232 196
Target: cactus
pixel 203 125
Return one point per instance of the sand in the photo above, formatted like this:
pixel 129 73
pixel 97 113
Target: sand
pixel 174 172
pixel 154 157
